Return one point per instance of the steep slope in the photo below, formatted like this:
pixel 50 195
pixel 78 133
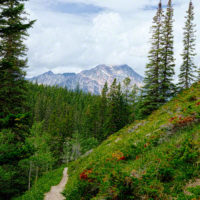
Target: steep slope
pixel 157 158
pixel 91 80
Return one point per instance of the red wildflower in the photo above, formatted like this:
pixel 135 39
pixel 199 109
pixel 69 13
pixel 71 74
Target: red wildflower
pixel 122 158
pixel 84 174
pixel 198 104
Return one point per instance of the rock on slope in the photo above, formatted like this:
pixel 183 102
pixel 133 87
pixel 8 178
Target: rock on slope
pixel 91 80
pixel 157 158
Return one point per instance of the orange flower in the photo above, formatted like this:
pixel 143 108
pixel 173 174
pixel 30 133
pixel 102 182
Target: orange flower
pixel 119 156
pixel 137 157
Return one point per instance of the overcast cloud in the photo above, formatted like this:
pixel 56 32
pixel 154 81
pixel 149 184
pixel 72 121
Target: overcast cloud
pixel 73 35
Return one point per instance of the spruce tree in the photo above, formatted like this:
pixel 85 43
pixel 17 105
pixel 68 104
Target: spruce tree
pixel 151 95
pixel 103 111
pixel 167 60
pixel 186 76
pixel 117 112
pixel 13 31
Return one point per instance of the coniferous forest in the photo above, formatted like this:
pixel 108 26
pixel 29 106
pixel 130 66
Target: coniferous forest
pixel 43 128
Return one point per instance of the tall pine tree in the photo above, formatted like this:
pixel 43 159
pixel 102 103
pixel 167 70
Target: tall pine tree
pixel 117 112
pixel 151 95
pixel 13 31
pixel 188 67
pixel 167 61
pixel 103 111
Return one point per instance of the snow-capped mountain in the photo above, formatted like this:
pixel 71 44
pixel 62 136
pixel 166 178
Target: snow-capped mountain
pixel 91 80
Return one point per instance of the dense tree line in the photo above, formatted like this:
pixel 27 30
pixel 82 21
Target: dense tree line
pixel 159 85
pixel 63 125
pixel 80 119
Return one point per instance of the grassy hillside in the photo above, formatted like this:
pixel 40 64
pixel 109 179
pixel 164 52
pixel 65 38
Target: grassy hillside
pixel 43 185
pixel 157 158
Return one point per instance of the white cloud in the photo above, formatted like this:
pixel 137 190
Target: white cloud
pixel 119 34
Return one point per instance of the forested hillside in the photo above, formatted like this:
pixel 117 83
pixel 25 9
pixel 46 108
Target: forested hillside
pixel 156 158
pixel 63 125
pixel 73 122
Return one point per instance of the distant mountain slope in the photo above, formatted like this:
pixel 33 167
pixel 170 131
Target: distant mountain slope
pixel 91 80
pixel 157 158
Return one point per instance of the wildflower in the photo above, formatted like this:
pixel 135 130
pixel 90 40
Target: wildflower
pixel 84 174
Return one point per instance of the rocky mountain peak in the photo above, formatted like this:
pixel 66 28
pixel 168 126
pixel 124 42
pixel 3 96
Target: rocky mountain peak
pixel 91 80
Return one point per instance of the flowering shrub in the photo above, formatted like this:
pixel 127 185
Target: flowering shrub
pixel 118 156
pixel 182 121
pixel 84 175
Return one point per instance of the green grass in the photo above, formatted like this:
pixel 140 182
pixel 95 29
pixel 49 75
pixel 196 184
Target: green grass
pixel 43 185
pixel 150 159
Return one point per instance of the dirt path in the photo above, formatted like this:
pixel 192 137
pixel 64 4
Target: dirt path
pixel 55 192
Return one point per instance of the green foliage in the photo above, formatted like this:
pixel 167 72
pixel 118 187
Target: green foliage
pixel 151 96
pixel 118 113
pixel 158 83
pixel 43 185
pixel 13 30
pixel 186 76
pixel 167 87
pixel 14 121
pixel 195 190
pixel 12 152
pixel 150 159
pixel 73 121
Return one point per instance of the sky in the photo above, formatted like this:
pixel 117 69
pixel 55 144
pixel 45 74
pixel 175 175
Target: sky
pixel 74 35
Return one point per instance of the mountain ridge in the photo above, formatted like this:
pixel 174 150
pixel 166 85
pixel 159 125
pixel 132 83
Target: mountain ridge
pixel 91 80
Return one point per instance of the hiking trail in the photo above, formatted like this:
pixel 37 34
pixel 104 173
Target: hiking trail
pixel 55 192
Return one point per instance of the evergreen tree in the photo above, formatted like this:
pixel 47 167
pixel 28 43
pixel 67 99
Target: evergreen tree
pixel 13 30
pixel 117 113
pixel 167 60
pixel 103 111
pixel 151 95
pixel 113 108
pixel 188 67
pixel 133 98
pixel 127 100
pixel 126 83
